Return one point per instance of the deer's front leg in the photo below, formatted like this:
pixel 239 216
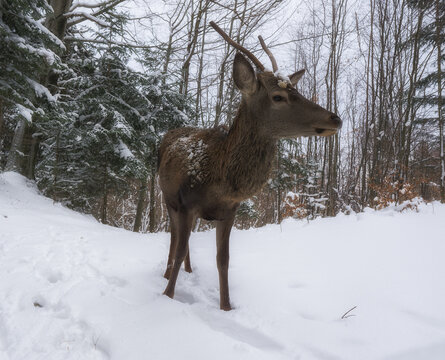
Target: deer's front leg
pixel 222 260
pixel 183 219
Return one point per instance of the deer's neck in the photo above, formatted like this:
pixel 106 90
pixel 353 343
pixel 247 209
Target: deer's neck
pixel 248 156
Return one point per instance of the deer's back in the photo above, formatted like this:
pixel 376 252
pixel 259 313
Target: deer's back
pixel 190 170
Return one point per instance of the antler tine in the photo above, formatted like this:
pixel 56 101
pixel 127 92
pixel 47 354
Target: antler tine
pixel 237 46
pixel 269 53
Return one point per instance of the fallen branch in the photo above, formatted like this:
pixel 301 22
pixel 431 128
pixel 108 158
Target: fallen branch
pixel 346 314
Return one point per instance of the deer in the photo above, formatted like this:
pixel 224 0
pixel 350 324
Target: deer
pixel 207 173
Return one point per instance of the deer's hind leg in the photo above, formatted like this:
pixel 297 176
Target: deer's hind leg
pixel 187 264
pixel 173 236
pixel 171 253
pixel 182 220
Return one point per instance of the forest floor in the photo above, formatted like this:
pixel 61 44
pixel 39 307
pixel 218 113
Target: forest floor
pixel 71 288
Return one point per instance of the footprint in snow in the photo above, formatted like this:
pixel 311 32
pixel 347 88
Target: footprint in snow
pixel 51 275
pixel 94 272
pixel 238 332
pixel 59 309
pixel 184 297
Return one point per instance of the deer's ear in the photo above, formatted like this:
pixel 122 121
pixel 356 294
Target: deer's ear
pixel 295 77
pixel 243 75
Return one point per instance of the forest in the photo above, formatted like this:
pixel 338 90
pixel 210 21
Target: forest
pixel 89 88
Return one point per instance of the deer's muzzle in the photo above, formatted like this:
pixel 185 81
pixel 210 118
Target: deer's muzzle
pixel 331 128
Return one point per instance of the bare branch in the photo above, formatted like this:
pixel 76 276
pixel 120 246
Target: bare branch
pixel 107 42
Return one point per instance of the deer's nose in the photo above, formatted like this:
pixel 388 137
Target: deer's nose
pixel 336 121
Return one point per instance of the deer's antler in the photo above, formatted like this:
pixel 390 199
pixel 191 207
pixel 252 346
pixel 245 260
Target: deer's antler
pixel 238 46
pixel 269 53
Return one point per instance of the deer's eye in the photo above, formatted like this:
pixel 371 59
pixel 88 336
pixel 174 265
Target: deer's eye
pixel 278 98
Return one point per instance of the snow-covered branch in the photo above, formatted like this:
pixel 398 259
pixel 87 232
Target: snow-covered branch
pixel 107 42
pixel 111 4
pixel 87 5
pixel 86 16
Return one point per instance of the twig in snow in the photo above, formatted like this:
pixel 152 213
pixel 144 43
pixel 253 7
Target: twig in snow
pixel 347 313
pixel 95 340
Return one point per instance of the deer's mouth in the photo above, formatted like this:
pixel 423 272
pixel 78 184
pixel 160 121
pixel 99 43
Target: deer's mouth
pixel 325 132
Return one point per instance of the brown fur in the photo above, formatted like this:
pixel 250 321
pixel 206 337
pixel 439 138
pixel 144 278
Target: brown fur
pixel 207 172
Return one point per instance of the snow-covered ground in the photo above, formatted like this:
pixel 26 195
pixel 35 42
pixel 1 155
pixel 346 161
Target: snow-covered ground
pixel 71 288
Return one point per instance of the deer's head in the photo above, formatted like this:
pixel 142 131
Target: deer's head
pixel 278 108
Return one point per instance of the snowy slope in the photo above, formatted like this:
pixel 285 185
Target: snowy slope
pixel 71 288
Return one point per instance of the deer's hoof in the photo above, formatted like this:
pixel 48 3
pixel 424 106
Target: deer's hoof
pixel 169 293
pixel 188 269
pixel 168 273
pixel 225 307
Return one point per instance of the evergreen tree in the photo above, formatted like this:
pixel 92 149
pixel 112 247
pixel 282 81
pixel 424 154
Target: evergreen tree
pixel 286 174
pixel 432 35
pixel 28 50
pixel 304 198
pixel 246 214
pixel 106 129
pixel 313 198
pixel 429 38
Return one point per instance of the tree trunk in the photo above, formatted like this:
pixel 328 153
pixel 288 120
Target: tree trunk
pixel 220 93
pixel 56 23
pixel 140 206
pixel 279 215
pixel 56 167
pixel 1 129
pixel 195 25
pixel 103 212
pixel 15 156
pixel 1 120
pixel 152 209
pixel 410 111
pixel 198 103
pixel 439 103
pixel 35 142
